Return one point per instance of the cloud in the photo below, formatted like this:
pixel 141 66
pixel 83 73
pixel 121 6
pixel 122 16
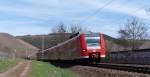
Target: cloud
pixel 36 15
pixel 22 28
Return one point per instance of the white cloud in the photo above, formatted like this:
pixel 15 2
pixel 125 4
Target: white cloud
pixel 69 11
pixel 24 29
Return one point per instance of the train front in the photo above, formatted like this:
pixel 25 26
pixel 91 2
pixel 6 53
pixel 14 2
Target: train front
pixel 93 47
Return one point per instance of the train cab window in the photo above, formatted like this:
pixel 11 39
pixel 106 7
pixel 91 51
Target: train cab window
pixel 93 42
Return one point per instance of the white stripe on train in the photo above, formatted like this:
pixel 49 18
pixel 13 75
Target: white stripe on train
pixel 88 56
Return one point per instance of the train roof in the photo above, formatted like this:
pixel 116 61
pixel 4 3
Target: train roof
pixel 92 34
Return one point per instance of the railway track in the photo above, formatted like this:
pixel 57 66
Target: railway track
pixel 144 69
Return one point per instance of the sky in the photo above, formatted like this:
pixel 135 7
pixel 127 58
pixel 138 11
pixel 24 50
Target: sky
pixel 23 17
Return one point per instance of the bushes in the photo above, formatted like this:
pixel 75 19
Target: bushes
pixel 6 64
pixel 40 69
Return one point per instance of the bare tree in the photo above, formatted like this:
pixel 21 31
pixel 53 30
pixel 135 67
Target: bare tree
pixel 61 28
pixel 147 10
pixel 60 34
pixel 74 28
pixel 133 33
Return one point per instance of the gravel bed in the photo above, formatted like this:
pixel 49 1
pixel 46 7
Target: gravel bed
pixel 87 71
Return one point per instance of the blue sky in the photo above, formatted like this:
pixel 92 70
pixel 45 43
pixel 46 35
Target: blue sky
pixel 22 17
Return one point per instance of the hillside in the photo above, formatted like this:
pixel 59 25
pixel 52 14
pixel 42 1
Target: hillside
pixel 12 45
pixel 49 40
pixel 53 39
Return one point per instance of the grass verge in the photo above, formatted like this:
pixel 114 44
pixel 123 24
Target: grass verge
pixel 5 64
pixel 41 69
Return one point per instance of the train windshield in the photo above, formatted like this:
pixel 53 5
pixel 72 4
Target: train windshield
pixel 93 42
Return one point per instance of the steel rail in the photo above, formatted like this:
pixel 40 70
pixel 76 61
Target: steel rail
pixel 124 67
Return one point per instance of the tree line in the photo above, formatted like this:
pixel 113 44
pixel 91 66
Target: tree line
pixel 133 34
pixel 74 28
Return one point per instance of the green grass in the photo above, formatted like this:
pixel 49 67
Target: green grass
pixel 41 69
pixel 5 64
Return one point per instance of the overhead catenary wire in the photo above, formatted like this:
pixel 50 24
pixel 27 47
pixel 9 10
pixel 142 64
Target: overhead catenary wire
pixel 97 11
pixel 138 10
pixel 133 12
pixel 101 8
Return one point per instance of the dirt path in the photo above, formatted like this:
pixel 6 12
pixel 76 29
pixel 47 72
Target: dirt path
pixel 20 70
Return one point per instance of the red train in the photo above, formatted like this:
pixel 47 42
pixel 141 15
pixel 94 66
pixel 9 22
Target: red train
pixel 82 47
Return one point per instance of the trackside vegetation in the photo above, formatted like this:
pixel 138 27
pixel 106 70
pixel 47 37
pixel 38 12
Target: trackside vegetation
pixel 5 64
pixel 42 69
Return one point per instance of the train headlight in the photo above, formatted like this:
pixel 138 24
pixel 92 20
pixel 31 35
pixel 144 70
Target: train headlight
pixel 84 50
